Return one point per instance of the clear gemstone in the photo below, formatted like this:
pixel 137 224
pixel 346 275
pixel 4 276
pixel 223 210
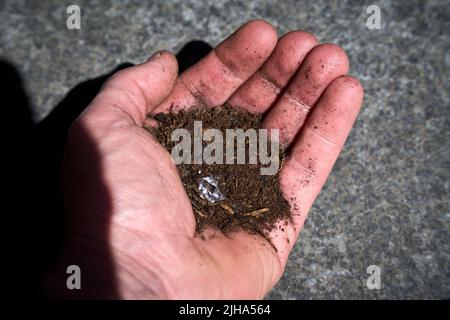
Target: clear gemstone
pixel 209 190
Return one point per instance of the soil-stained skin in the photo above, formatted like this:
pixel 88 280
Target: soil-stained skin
pixel 322 65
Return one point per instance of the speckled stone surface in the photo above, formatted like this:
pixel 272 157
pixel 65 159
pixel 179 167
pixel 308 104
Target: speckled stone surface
pixel 386 202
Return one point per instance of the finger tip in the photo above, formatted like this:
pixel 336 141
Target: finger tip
pixel 334 54
pixel 261 31
pixel 261 24
pixel 354 84
pixel 292 48
pixel 300 38
pixel 168 61
pixel 350 88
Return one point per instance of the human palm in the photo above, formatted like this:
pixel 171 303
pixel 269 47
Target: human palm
pixel 128 210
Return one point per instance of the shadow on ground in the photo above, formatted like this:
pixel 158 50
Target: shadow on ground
pixel 35 220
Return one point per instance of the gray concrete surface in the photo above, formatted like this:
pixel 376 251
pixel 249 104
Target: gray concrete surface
pixel 387 200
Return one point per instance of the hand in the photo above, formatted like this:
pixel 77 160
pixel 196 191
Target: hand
pixel 132 225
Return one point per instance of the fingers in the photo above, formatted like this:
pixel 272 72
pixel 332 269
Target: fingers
pixel 316 150
pixel 322 65
pixel 131 93
pixel 213 79
pixel 258 93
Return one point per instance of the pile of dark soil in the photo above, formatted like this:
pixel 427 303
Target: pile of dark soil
pixel 252 202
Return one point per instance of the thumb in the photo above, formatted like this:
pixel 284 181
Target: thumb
pixel 128 95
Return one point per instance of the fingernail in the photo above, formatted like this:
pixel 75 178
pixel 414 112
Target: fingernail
pixel 156 55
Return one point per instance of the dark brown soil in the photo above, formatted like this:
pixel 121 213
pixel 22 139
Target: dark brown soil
pixel 253 202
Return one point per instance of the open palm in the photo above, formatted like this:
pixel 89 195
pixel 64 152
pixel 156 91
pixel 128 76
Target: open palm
pixel 132 225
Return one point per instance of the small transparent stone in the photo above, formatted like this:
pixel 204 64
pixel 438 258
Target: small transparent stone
pixel 209 190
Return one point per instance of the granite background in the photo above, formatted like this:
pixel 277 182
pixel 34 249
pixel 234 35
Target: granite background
pixel 386 202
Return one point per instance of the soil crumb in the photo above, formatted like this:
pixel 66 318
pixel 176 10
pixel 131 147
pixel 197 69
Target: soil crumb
pixel 251 201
